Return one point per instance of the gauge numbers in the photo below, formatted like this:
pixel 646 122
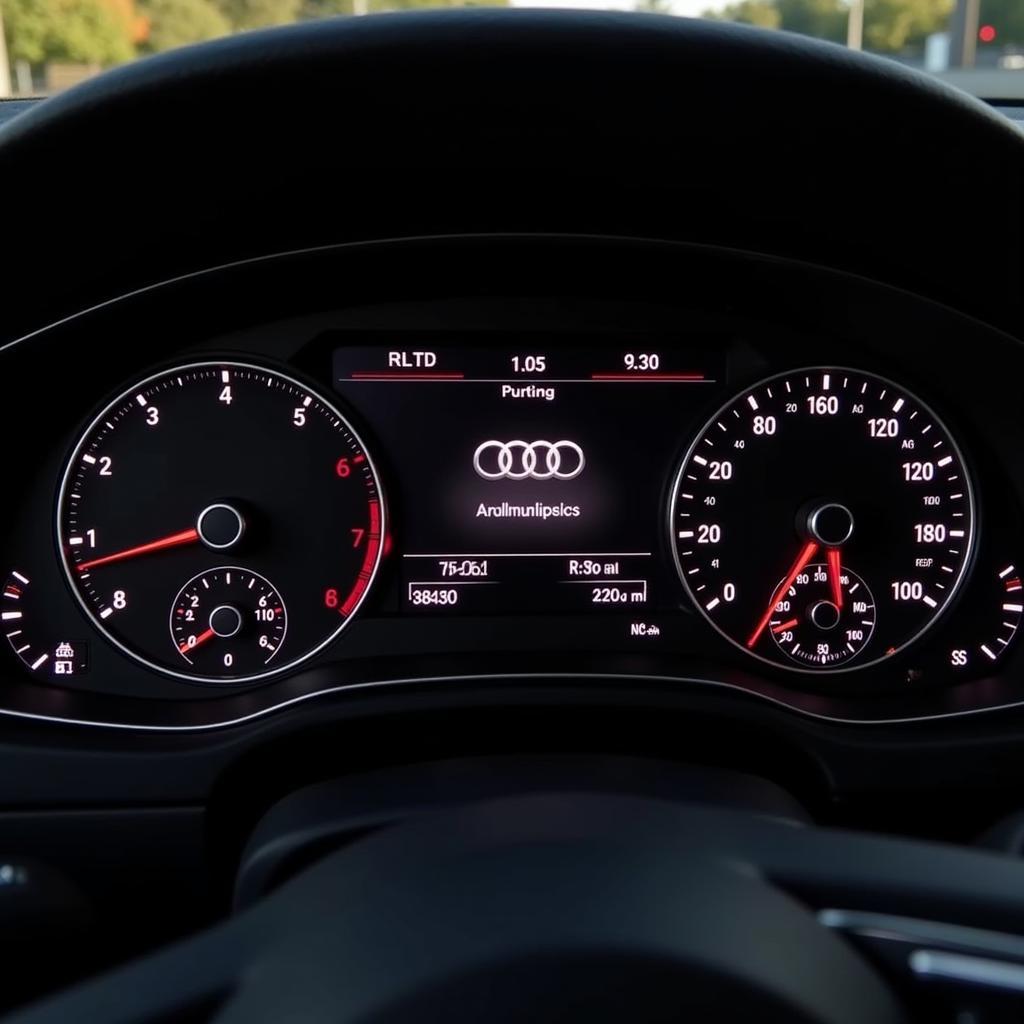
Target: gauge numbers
pixel 806 486
pixel 207 467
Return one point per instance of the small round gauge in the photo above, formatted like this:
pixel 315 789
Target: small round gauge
pixel 228 620
pixel 826 617
pixel 802 475
pixel 216 464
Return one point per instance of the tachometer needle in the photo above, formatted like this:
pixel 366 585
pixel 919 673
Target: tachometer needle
pixel 835 570
pixel 207 634
pixel 809 550
pixel 173 541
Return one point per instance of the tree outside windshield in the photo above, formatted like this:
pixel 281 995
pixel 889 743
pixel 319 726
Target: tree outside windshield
pixel 48 45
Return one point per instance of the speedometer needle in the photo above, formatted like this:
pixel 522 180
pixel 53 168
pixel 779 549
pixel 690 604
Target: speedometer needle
pixel 809 550
pixel 835 569
pixel 173 541
pixel 207 634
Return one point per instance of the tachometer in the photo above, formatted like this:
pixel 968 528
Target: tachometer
pixel 215 493
pixel 823 519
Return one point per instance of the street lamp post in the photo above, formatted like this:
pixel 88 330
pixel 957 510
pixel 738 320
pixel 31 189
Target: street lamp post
pixel 855 25
pixel 963 42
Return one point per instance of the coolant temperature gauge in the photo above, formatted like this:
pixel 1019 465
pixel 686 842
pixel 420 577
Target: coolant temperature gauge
pixel 26 631
pixel 1002 619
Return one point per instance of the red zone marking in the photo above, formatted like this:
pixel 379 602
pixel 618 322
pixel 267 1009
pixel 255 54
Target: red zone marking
pixel 640 375
pixel 369 559
pixel 1012 585
pixel 359 375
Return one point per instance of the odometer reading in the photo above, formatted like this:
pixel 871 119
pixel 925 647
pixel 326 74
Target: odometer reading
pixel 823 520
pixel 213 492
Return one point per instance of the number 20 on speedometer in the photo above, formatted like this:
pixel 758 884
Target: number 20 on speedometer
pixel 823 519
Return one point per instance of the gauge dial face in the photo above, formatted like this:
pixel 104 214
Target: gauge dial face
pixel 805 486
pixel 228 618
pixel 210 467
pixel 818 624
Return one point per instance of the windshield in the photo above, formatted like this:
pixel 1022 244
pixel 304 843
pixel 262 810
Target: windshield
pixel 48 45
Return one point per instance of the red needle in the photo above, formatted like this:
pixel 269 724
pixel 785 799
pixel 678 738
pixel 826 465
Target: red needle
pixel 201 639
pixel 835 570
pixel 783 626
pixel 173 541
pixel 808 551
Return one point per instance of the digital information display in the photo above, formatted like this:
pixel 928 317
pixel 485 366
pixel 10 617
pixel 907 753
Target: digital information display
pixel 530 477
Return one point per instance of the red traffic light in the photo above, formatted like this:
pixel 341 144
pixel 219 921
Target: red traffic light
pixel 987 33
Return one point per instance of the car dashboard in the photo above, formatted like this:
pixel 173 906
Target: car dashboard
pixel 229 507
pixel 544 439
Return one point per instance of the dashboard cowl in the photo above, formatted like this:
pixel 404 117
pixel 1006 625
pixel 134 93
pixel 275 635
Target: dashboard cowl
pixel 704 131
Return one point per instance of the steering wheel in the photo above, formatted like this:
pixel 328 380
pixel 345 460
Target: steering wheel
pixel 553 889
pixel 561 899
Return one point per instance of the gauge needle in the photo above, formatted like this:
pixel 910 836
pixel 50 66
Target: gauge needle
pixel 807 552
pixel 783 626
pixel 173 541
pixel 207 634
pixel 835 570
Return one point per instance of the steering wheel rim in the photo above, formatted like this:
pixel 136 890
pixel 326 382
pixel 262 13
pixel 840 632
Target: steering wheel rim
pixel 671 113
pixel 533 907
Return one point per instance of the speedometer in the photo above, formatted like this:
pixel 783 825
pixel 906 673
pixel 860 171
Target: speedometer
pixel 220 522
pixel 823 519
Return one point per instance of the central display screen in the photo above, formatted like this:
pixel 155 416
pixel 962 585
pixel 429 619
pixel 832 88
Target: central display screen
pixel 529 475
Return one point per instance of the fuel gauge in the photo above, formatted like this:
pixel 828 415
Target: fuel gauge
pixel 25 629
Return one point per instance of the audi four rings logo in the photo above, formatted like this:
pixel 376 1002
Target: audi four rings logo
pixel 534 460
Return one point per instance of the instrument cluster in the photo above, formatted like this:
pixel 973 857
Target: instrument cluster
pixel 325 497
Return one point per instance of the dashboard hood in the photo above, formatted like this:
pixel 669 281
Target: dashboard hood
pixel 763 141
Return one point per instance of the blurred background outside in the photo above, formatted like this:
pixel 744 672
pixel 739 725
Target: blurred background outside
pixel 48 45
